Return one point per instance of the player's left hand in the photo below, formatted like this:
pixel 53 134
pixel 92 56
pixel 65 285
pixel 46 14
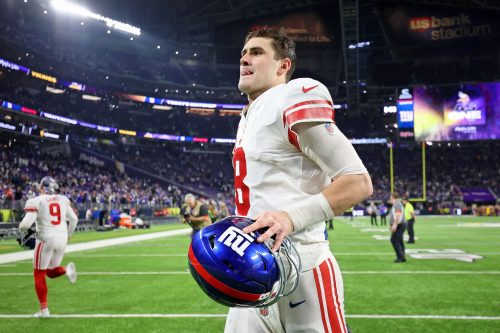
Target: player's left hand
pixel 394 227
pixel 278 224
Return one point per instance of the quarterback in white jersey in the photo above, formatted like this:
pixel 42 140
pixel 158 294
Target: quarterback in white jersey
pixel 293 170
pixel 52 212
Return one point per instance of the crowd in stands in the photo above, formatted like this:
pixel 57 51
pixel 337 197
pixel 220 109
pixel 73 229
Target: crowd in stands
pixel 113 112
pixel 209 171
pixel 88 186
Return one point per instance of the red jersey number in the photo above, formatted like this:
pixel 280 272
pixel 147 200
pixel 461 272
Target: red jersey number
pixel 241 191
pixel 55 212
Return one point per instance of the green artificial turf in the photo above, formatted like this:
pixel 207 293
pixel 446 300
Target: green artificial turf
pixel 151 278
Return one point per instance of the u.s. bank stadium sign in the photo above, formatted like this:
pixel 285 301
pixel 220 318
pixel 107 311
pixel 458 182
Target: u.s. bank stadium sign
pixel 449 27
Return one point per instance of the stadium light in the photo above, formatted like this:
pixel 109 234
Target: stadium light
pixel 67 7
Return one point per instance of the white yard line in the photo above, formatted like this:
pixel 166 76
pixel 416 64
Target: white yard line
pixel 25 255
pixel 217 315
pixel 343 273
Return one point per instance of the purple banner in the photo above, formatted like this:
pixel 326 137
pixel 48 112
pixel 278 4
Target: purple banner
pixel 477 194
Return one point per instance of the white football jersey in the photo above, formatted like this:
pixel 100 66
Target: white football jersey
pixel 270 171
pixel 52 213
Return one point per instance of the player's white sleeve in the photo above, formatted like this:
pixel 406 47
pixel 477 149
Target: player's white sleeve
pixel 326 145
pixel 71 217
pixel 307 101
pixel 31 209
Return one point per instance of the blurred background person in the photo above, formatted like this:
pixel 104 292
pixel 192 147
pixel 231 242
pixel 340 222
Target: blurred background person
pixel 410 220
pixel 383 213
pixel 372 211
pixel 398 227
pixel 195 213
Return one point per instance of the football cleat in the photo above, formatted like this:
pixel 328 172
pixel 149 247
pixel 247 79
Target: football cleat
pixel 71 272
pixel 235 270
pixel 42 314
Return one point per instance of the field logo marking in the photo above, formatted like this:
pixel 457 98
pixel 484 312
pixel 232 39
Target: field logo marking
pixel 386 237
pixel 453 254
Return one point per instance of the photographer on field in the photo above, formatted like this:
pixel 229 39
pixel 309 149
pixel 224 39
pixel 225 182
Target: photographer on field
pixel 195 213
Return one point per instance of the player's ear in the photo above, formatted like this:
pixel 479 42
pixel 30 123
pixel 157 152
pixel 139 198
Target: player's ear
pixel 286 64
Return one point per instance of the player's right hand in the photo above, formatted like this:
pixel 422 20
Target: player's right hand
pixel 278 223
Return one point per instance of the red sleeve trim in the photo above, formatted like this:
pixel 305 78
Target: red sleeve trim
pixel 309 102
pixel 326 114
pixel 30 210
pixel 293 138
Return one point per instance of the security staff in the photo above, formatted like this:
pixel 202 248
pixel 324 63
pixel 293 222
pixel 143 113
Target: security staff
pixel 398 227
pixel 410 219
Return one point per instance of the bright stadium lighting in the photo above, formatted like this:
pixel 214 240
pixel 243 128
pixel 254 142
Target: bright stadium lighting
pixel 176 52
pixel 67 7
pixel 64 6
pixel 158 47
pixel 45 12
pixel 109 31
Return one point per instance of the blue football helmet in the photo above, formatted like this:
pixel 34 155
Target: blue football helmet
pixel 237 271
pixel 27 239
pixel 49 184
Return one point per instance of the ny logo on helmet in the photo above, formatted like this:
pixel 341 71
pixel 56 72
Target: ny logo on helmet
pixel 239 244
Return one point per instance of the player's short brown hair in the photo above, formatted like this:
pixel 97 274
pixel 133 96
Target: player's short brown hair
pixel 395 195
pixel 284 46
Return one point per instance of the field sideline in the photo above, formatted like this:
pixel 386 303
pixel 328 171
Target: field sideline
pixel 144 286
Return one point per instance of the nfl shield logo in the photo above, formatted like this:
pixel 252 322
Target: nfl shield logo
pixel 329 128
pixel 264 312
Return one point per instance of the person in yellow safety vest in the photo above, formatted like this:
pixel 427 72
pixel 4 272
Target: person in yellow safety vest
pixel 410 219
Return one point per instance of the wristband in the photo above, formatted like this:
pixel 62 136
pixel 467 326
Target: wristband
pixel 307 212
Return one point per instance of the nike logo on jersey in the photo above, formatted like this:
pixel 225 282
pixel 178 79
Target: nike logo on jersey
pixel 305 90
pixel 293 305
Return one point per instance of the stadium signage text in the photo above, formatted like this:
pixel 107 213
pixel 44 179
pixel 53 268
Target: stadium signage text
pixel 43 77
pixel 453 27
pixel 91 160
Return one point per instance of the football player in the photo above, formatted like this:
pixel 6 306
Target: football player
pixel 50 212
pixel 293 170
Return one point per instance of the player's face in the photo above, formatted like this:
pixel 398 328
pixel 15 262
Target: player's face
pixel 258 68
